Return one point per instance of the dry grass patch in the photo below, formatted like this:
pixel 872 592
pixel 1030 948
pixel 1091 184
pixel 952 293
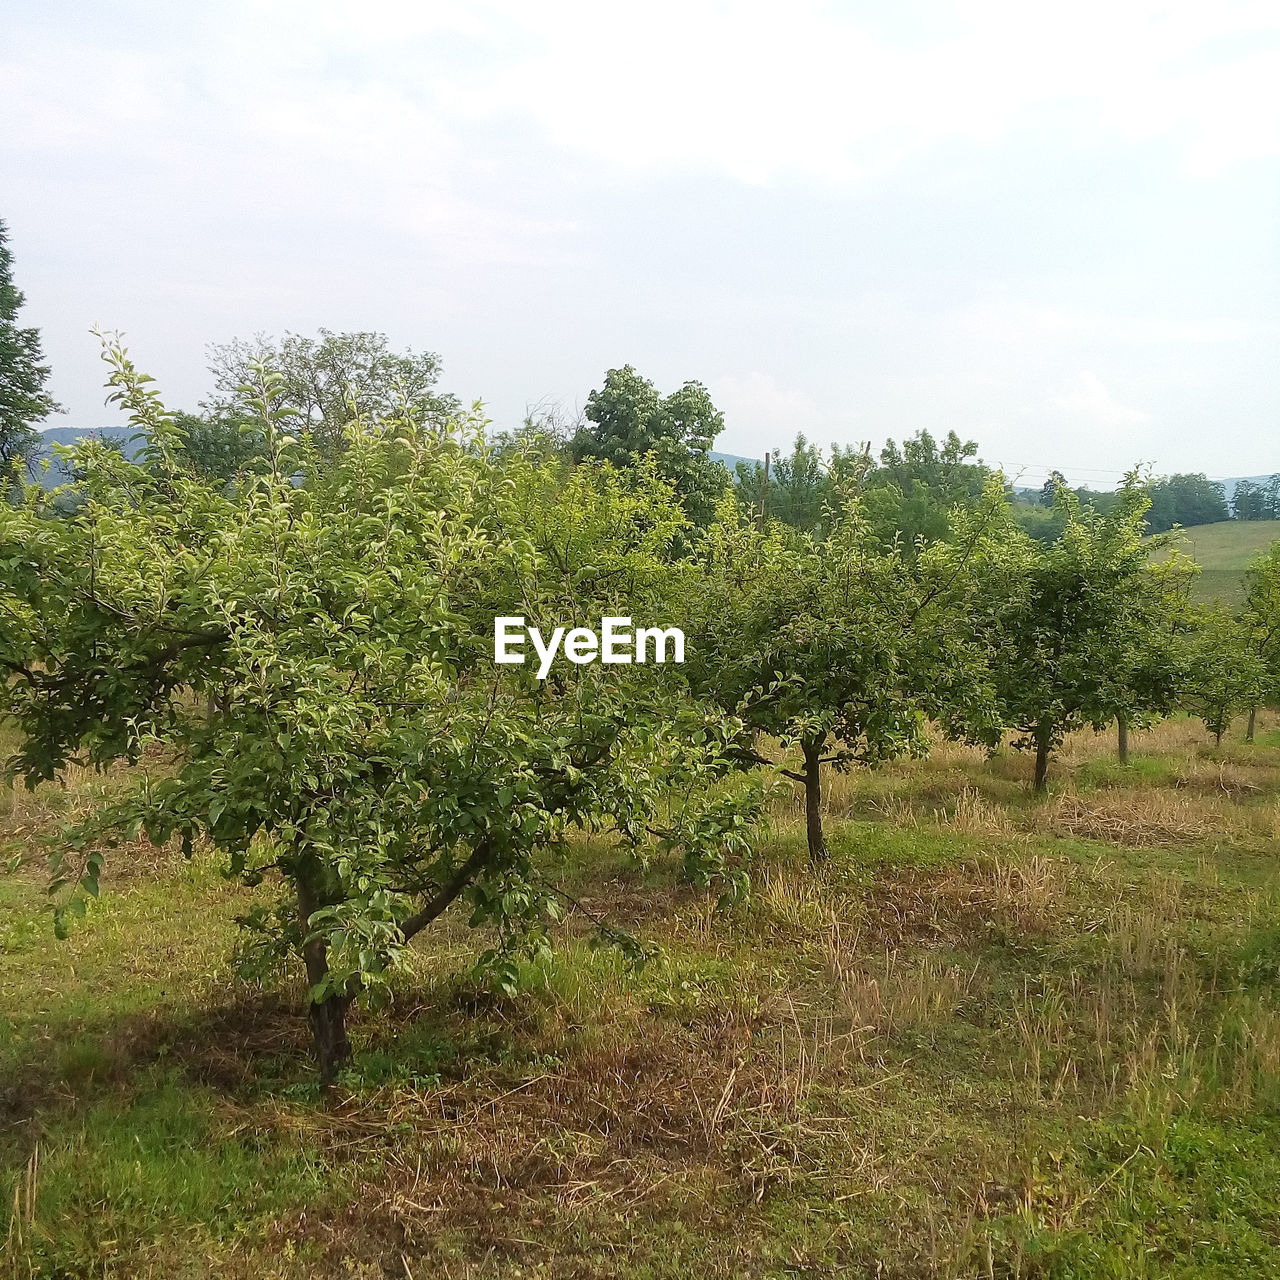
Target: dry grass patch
pixel 985 896
pixel 1132 816
pixel 881 996
pixel 1227 778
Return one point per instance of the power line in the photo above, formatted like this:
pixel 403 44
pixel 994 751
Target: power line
pixel 1101 471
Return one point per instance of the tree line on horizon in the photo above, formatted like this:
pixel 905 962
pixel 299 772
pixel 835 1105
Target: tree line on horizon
pixel 909 487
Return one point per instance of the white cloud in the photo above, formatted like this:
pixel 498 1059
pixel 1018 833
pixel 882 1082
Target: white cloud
pixel 484 177
pixel 1089 405
pixel 760 93
pixel 749 90
pixel 760 414
pixel 1012 322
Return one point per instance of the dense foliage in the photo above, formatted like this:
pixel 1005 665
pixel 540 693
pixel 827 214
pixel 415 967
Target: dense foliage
pixel 283 612
pixel 1085 630
pixel 330 381
pixel 308 655
pixel 627 420
pixel 841 648
pixel 1186 500
pixel 1256 500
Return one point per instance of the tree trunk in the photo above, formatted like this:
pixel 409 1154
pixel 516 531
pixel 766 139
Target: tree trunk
pixel 328 1017
pixel 1122 738
pixel 1044 735
pixel 1248 733
pixel 1217 735
pixel 813 801
pixel 329 1031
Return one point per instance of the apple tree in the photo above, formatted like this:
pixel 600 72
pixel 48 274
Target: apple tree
pixel 841 648
pixel 1085 630
pixel 367 759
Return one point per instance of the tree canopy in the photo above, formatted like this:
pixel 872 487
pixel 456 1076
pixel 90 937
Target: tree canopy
pixel 23 373
pixel 843 648
pixel 628 420
pixel 1083 630
pixel 309 652
pixel 1186 500
pixel 330 381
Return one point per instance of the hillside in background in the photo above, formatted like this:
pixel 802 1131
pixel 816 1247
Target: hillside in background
pixel 1229 486
pixel 731 460
pixel 56 474
pixel 1223 551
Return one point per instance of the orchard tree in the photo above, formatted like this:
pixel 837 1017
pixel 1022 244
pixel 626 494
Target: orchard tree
pixel 1225 670
pixel 369 759
pixel 627 420
pixel 23 373
pixel 330 381
pixel 1083 632
pixel 1261 619
pixel 840 648
pixel 1145 671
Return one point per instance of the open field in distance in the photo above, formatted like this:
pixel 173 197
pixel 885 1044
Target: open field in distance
pixel 1224 551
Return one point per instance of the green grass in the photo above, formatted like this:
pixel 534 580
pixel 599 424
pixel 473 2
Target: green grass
pixel 1224 551
pixel 978 1043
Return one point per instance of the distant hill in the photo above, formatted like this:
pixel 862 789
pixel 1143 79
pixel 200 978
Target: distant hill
pixel 56 474
pixel 1229 486
pixel 1223 552
pixel 731 460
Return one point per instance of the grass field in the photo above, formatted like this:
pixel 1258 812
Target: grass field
pixel 1224 551
pixel 996 1037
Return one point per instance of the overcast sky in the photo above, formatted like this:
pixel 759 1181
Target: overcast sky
pixel 1053 228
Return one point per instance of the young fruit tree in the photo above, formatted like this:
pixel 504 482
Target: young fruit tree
pixel 840 648
pixel 301 665
pixel 1226 671
pixel 1085 630
pixel 1261 617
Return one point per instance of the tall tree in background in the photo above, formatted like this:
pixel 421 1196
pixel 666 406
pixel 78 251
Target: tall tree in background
pixel 218 446
pixel 911 494
pixel 1252 500
pixel 1049 490
pixel 628 420
pixel 23 399
pixel 797 490
pixel 1186 500
pixel 325 376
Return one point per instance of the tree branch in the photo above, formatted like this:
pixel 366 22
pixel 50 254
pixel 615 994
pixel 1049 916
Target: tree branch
pixel 451 889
